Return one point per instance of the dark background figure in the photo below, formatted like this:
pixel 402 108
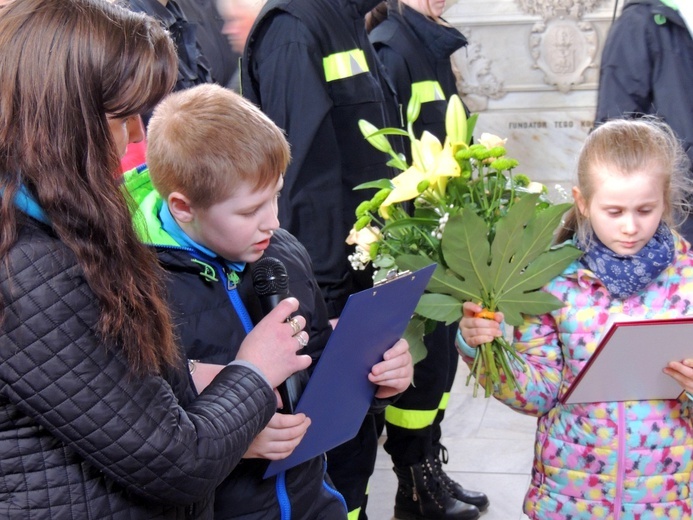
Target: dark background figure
pixel 647 69
pixel 415 46
pixel 193 67
pixel 204 55
pixel 238 18
pixel 309 66
pixel 221 58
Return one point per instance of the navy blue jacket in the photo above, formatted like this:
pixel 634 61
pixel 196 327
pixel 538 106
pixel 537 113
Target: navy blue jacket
pixel 647 68
pixel 283 73
pixel 414 50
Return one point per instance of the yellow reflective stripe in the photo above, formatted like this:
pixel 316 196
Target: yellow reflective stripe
pixel 428 91
pixel 444 401
pixel 409 419
pixel 344 64
pixel 354 515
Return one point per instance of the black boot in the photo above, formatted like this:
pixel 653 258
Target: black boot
pixel 421 497
pixel 475 498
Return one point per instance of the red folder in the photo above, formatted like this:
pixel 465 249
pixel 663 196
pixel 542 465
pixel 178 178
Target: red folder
pixel 627 364
pixel 339 394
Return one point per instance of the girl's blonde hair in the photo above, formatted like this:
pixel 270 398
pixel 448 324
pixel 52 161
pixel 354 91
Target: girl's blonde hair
pixel 627 146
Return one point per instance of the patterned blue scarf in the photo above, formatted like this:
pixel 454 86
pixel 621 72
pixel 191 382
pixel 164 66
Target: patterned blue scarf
pixel 625 275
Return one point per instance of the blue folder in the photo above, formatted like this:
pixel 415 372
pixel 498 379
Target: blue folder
pixel 339 394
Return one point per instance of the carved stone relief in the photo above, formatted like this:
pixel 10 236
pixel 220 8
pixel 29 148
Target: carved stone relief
pixel 563 48
pixel 551 8
pixel 562 45
pixel 475 81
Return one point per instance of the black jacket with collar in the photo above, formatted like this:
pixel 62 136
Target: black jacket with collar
pixel 414 49
pixel 82 437
pixel 284 74
pixel 211 331
pixel 193 67
pixel 647 68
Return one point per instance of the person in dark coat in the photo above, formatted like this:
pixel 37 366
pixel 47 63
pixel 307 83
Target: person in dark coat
pixel 216 162
pixel 193 66
pixel 415 46
pixel 309 66
pixel 222 59
pixel 647 69
pixel 97 413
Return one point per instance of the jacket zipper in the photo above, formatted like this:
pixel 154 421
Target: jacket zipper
pixel 329 488
pixel 621 461
pixel 283 496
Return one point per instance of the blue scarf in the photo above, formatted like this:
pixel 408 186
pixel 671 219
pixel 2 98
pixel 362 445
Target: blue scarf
pixel 625 275
pixel 169 224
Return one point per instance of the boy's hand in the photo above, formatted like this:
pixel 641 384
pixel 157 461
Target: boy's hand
pixel 477 331
pixel 682 372
pixel 279 438
pixel 394 374
pixel 272 344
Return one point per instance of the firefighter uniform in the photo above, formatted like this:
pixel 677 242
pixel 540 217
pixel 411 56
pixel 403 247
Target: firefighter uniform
pixel 415 52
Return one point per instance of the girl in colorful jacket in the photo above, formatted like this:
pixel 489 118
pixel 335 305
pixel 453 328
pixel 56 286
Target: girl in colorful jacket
pixel 613 460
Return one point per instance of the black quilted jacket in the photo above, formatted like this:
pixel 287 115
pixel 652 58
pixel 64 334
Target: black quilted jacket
pixel 80 438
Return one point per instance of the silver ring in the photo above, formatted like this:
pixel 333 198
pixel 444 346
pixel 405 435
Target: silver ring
pixel 301 340
pixel 295 326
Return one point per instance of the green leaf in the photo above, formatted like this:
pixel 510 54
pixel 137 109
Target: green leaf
pixel 543 269
pixel 509 236
pixel 534 240
pixel 409 223
pixel 443 281
pixel 387 131
pixel 516 303
pixel 471 123
pixel 414 336
pixel 440 307
pixel 380 184
pixel 540 231
pixel 397 162
pixel 466 250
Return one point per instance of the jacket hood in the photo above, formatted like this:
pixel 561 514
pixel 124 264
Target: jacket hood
pixel 441 40
pixel 661 8
pixel 145 215
pixel 359 7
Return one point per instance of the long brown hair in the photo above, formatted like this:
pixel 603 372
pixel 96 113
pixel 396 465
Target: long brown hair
pixel 65 65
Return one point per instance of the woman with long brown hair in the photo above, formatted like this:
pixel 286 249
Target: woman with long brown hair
pixel 97 414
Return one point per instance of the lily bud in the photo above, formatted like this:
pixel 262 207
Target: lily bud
pixel 378 141
pixel 413 108
pixel 456 121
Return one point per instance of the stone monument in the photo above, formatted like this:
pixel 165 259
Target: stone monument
pixel 531 71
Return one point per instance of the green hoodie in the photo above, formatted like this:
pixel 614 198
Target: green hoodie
pixel 137 183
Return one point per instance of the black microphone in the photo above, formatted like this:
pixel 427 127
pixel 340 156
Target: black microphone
pixel 271 284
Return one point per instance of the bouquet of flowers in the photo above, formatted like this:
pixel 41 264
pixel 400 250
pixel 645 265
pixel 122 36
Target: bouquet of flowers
pixel 459 205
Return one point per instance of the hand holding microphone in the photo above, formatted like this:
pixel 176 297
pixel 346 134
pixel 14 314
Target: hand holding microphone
pixel 271 284
pixel 272 347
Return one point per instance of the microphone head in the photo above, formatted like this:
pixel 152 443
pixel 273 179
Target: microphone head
pixel 270 277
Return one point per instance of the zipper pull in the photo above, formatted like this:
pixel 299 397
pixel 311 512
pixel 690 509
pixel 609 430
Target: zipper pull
pixel 414 494
pixel 232 280
pixel 207 272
